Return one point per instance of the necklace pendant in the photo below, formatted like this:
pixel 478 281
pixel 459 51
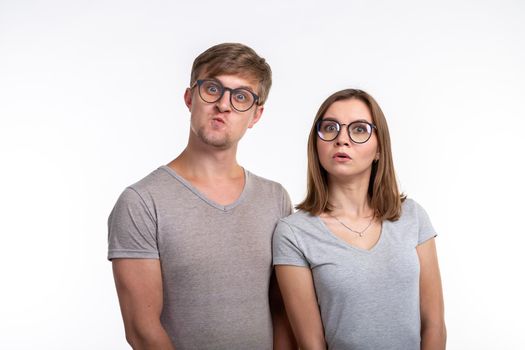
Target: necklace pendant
pixel 359 233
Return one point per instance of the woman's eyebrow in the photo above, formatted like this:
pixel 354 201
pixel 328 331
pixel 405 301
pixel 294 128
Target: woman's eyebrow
pixel 353 121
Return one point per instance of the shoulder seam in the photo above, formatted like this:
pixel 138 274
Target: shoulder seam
pixel 154 218
pixel 291 227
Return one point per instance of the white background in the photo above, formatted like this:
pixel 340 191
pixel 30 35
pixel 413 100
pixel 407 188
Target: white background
pixel 91 101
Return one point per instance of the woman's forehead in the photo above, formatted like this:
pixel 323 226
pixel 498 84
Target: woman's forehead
pixel 348 110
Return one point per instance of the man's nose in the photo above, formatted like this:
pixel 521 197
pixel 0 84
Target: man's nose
pixel 223 103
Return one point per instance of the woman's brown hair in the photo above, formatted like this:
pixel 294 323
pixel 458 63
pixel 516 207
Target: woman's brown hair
pixel 383 193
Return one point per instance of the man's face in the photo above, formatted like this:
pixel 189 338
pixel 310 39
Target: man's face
pixel 218 124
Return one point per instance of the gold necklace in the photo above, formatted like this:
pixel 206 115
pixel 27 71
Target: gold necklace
pixel 360 233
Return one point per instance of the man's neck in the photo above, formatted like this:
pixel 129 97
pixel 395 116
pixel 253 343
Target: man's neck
pixel 215 174
pixel 207 165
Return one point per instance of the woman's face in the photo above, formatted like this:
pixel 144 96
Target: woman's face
pixel 342 158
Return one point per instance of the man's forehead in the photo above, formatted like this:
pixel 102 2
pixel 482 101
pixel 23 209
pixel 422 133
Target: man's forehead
pixel 235 80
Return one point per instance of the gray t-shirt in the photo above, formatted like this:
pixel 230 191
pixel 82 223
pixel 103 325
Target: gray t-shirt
pixel 216 260
pixel 368 299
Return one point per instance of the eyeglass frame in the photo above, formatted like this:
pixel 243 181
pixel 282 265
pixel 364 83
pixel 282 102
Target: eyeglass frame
pixel 340 125
pixel 199 82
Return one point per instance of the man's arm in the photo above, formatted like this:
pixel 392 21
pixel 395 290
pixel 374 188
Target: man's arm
pixel 283 338
pixel 139 289
pixel 433 331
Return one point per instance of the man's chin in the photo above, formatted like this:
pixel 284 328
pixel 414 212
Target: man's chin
pixel 219 145
pixel 216 142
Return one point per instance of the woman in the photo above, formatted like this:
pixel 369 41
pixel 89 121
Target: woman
pixel 358 259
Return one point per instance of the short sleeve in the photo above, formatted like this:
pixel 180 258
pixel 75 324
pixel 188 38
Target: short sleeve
pixel 132 228
pixel 425 229
pixel 285 248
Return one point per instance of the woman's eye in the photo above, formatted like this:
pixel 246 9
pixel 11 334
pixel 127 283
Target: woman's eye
pixel 359 129
pixel 330 128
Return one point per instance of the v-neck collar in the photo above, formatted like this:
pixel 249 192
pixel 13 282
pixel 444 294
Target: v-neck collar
pixel 194 190
pixel 376 246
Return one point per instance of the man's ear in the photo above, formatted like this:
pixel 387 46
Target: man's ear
pixel 256 117
pixel 188 98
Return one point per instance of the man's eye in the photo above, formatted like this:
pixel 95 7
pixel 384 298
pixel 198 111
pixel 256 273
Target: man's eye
pixel 213 89
pixel 242 96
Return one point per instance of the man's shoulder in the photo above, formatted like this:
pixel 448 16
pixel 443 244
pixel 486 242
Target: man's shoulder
pixel 148 188
pixel 262 182
pixel 156 179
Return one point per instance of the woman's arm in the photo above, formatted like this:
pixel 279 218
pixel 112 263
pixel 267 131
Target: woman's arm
pixel 298 292
pixel 433 331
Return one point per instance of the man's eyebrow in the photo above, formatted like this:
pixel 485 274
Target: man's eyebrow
pixel 238 87
pixel 245 87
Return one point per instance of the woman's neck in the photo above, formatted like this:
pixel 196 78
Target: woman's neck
pixel 349 198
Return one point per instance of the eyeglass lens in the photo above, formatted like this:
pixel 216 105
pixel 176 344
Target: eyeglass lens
pixel 211 91
pixel 359 132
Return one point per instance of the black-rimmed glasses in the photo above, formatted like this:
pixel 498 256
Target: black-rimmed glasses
pixel 358 131
pixel 211 91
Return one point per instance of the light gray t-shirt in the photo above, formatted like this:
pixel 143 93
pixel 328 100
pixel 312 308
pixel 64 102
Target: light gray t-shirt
pixel 216 260
pixel 368 299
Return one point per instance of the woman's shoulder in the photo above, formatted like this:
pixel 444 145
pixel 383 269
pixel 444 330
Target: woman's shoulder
pixel 300 220
pixel 298 217
pixel 412 210
pixel 409 206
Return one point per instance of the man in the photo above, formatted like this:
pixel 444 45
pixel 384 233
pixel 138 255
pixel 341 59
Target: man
pixel 191 242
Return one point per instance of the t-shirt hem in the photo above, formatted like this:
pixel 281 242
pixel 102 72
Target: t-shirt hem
pixel 426 239
pixel 132 254
pixel 289 262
